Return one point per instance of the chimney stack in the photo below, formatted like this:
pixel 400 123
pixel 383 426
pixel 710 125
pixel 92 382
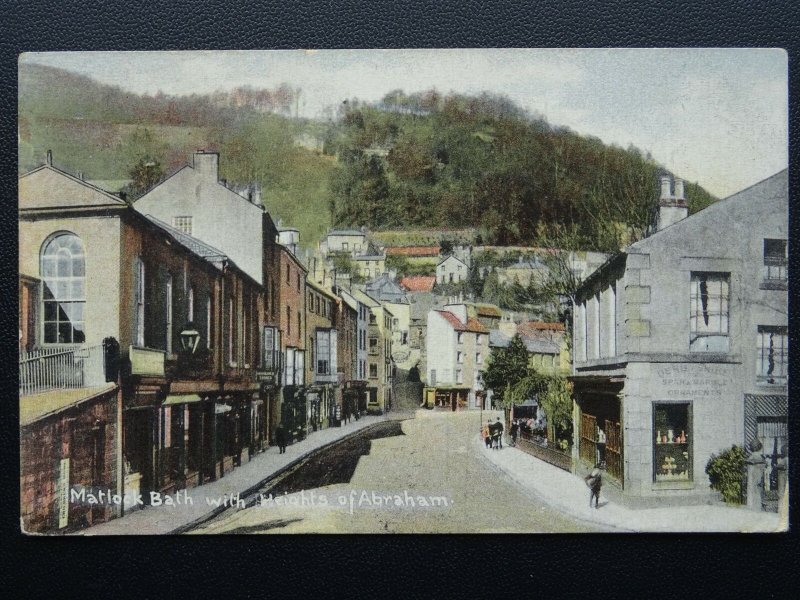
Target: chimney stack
pixel 207 164
pixel 49 158
pixel 671 209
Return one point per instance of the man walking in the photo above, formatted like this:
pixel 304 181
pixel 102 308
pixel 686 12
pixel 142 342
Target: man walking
pixel 595 481
pixel 499 428
pixel 280 437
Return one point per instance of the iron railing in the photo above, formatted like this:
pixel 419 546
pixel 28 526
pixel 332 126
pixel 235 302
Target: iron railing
pixel 60 368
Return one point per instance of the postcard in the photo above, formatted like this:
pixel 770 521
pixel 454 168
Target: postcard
pixel 403 291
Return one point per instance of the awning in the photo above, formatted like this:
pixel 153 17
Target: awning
pixel 181 399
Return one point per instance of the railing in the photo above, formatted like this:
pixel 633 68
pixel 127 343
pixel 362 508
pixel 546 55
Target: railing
pixel 60 368
pixel 538 446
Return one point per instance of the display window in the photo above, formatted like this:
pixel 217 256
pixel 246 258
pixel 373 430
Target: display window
pixel 672 443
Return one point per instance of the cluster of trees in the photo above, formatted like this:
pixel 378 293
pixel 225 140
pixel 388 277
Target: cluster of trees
pixel 513 381
pixel 461 161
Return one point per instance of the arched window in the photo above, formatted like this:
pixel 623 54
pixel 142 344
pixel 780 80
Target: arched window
pixel 63 272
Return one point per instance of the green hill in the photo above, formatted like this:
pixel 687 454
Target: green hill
pixel 103 131
pixel 426 160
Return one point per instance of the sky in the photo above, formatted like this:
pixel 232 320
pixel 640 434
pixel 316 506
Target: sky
pixel 718 117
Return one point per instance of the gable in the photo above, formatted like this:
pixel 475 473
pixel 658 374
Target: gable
pixel 48 187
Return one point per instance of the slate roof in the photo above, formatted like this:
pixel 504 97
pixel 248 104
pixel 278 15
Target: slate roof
pixel 194 245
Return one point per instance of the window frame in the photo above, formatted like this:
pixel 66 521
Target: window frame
pixel 52 282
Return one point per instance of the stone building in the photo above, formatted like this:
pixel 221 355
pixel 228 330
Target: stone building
pixel 322 371
pixel 380 367
pixel 680 344
pixel 451 270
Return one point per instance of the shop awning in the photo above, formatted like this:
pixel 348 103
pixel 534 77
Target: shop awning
pixel 182 399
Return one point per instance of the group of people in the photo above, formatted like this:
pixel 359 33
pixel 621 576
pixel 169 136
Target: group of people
pixel 493 434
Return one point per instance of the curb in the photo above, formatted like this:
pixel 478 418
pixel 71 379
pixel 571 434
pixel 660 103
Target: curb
pixel 253 489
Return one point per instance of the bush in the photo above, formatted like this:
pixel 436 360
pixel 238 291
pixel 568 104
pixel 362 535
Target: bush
pixel 725 472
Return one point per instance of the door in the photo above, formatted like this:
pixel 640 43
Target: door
pixel 614 445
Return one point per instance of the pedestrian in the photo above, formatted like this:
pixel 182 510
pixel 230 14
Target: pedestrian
pixel 487 435
pixel 594 481
pixel 514 432
pixel 601 447
pixel 500 428
pixel 280 437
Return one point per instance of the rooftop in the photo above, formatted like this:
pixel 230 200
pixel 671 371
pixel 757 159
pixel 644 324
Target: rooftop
pixel 420 283
pixel 472 325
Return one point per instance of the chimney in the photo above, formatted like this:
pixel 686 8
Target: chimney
pixel 49 158
pixel 679 188
pixel 665 192
pixel 671 209
pixel 207 164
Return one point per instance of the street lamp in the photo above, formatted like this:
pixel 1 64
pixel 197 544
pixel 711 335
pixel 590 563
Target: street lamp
pixel 190 338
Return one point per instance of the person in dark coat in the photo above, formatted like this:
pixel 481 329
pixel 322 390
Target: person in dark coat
pixel 499 427
pixel 514 432
pixel 280 437
pixel 595 481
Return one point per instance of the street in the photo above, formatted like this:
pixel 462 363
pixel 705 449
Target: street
pixel 423 474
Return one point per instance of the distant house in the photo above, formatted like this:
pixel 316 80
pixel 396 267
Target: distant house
pixel 547 344
pixel 420 283
pixel 457 348
pixel 385 289
pixel 451 270
pixel 351 241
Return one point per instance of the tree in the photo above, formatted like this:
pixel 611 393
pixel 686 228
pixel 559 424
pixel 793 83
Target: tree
pixel 554 395
pixel 145 174
pixel 505 368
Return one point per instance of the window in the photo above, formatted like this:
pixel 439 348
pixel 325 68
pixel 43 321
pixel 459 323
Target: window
pixel 672 445
pixel 479 358
pixel 373 345
pixel 183 223
pixel 772 355
pixel 63 274
pixel 299 323
pixel 373 371
pixel 190 308
pixel 140 300
pixel 326 348
pixel 479 339
pixel 168 302
pixel 372 319
pixel 288 321
pixel 459 376
pixel 310 302
pixel 231 331
pixel 459 357
pixel 460 338
pixel 298 281
pixel 451 278
pixel 208 322
pixel 775 260
pixel 288 274
pixel 708 316
pixel 345 246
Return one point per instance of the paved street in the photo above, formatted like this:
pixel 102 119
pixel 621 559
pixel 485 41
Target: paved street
pixel 421 475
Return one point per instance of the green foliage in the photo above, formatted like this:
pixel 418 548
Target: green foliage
pixel 144 175
pixel 554 396
pixel 725 473
pixel 480 161
pixel 504 369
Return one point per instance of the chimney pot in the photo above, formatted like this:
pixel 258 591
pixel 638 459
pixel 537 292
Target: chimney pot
pixel 665 188
pixel 679 188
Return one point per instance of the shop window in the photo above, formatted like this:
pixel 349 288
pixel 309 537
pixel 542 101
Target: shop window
pixel 772 355
pixel 708 312
pixel 672 442
pixel 62 268
pixel 775 260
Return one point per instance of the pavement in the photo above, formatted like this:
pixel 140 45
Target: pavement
pixel 569 494
pixel 161 520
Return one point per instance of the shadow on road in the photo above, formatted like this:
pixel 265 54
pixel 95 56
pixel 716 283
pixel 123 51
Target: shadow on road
pixel 262 527
pixel 334 465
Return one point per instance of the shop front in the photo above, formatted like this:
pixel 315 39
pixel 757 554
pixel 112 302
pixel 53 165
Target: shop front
pixel 599 435
pixel 450 398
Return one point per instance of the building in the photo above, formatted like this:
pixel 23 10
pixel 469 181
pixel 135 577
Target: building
pixel 291 299
pixel 354 397
pixel 418 283
pixel 547 344
pixel 322 371
pixel 193 201
pixel 380 367
pixel 348 335
pixel 451 270
pixel 183 316
pixel 457 349
pixel 350 241
pixel 370 265
pixel 680 344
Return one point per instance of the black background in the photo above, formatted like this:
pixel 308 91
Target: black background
pixel 647 566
